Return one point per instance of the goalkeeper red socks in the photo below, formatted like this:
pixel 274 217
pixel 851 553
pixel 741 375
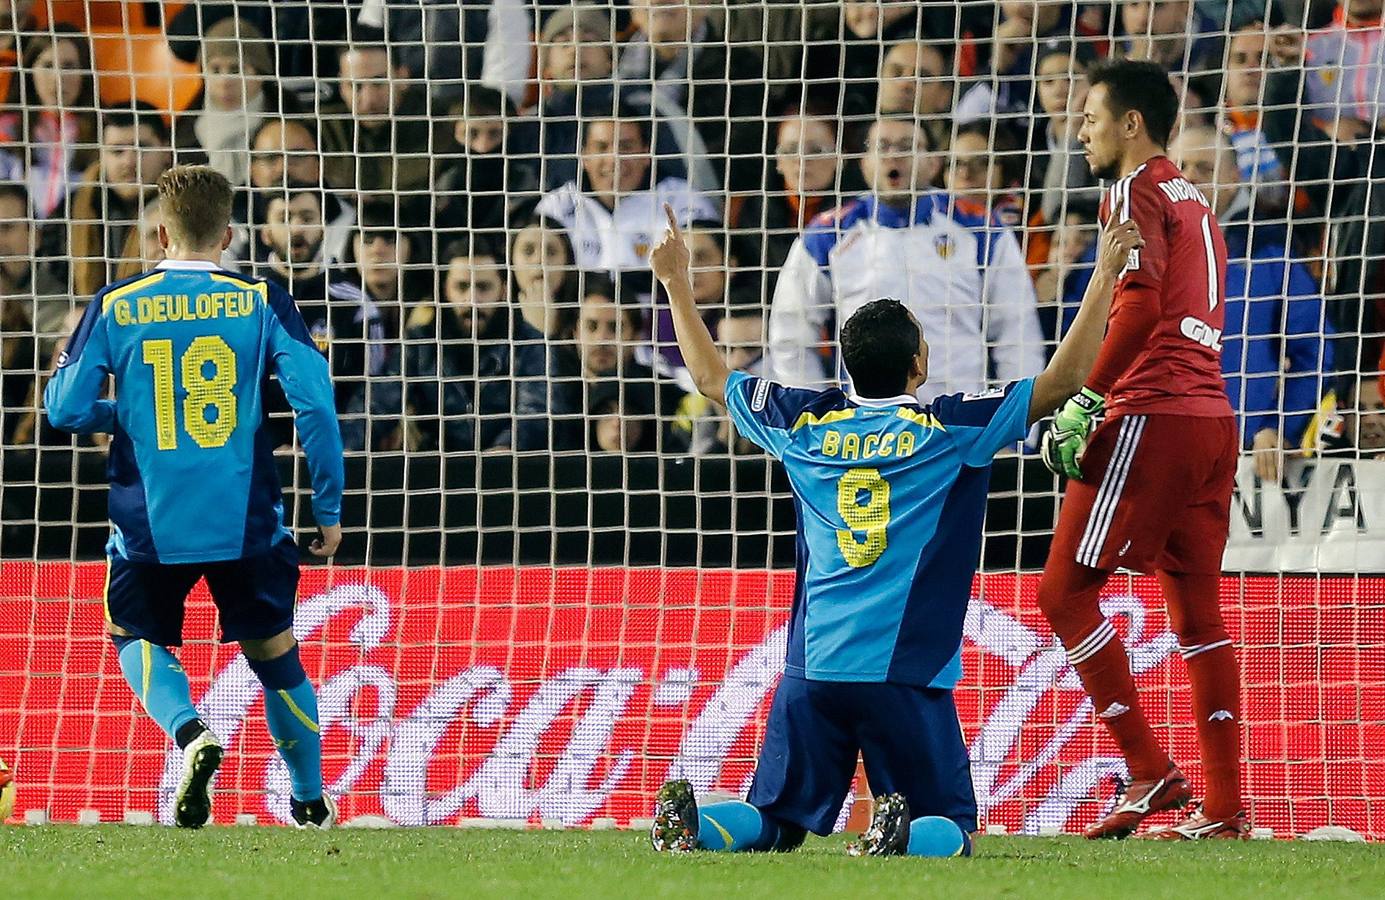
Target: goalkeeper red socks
pixel 1195 613
pixel 1068 596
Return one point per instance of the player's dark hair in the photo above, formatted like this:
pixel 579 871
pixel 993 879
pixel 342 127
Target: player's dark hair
pixel 879 343
pixel 1142 86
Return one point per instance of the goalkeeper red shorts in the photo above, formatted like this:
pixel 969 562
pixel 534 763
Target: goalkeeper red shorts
pixel 1155 495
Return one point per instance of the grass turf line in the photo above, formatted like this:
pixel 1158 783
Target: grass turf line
pixel 122 861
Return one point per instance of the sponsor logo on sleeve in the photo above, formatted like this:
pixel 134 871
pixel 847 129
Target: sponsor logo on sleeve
pixel 760 397
pixel 994 393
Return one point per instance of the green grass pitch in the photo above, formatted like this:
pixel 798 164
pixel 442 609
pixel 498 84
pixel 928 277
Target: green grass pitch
pixel 128 862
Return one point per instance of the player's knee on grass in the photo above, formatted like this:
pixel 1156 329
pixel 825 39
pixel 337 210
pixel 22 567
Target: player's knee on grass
pixel 790 838
pixel 269 648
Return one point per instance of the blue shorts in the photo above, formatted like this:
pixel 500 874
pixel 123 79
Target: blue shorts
pixel 254 596
pixel 909 738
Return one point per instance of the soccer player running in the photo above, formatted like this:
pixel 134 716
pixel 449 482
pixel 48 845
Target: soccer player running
pixel 1150 488
pixel 194 493
pixel 890 496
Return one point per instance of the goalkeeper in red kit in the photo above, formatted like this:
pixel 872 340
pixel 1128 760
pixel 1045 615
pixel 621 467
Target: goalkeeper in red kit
pixel 1150 487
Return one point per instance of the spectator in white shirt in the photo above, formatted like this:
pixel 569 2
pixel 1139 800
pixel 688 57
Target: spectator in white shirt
pixel 962 275
pixel 612 213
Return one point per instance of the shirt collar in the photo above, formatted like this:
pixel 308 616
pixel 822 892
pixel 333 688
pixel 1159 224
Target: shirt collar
pixel 921 213
pixel 189 265
pixel 896 400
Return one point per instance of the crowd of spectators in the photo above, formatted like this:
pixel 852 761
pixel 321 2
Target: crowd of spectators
pixel 462 198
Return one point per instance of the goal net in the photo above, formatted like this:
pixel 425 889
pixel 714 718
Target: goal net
pixel 565 576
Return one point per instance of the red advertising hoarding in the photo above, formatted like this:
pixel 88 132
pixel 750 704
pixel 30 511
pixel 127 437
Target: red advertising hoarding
pixel 571 694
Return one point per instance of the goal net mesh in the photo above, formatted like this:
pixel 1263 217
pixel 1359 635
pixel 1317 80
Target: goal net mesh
pixel 565 577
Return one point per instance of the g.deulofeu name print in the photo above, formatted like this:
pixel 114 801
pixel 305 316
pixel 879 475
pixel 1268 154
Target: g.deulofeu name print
pixel 184 307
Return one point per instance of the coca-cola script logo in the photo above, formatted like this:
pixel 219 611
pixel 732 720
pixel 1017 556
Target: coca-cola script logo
pixel 500 784
pixel 571 694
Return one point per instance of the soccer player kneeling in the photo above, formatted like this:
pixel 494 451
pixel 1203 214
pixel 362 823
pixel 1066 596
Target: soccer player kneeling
pixel 891 495
pixel 194 493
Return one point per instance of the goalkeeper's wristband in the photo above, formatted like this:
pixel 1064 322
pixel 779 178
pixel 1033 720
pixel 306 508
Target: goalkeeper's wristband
pixel 1089 400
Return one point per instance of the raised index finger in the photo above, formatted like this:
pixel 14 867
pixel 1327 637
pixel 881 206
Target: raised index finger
pixel 673 222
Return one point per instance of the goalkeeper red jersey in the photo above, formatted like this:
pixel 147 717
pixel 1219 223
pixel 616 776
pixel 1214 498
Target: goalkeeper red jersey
pixel 1162 352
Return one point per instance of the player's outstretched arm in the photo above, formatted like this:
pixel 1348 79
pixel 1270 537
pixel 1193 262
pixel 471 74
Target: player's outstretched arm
pixel 1066 373
pixel 670 260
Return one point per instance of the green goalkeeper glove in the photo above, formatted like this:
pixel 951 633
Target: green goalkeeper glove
pixel 1066 440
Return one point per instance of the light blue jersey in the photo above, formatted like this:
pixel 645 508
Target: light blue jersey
pixel 192 471
pixel 890 496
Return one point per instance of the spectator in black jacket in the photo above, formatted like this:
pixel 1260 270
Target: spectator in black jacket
pixel 493 168
pixel 36 311
pixel 342 320
pixel 378 139
pixel 478 373
pixel 284 155
pixel 544 277
pixel 608 334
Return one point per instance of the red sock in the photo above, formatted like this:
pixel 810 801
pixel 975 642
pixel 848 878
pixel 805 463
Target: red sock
pixel 1216 681
pixel 1068 596
pixel 1106 676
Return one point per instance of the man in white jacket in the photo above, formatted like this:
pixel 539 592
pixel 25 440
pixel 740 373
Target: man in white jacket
pixel 961 275
pixel 615 215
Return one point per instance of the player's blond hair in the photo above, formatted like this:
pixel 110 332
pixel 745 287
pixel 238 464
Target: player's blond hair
pixel 196 205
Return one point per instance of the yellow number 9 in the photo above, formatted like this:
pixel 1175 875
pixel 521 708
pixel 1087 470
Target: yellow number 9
pixel 870 517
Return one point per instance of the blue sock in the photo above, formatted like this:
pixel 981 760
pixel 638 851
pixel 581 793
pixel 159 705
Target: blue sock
pixel 158 681
pixel 937 836
pixel 290 707
pixel 735 826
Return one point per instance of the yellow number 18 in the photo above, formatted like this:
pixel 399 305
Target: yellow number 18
pixel 214 391
pixel 869 517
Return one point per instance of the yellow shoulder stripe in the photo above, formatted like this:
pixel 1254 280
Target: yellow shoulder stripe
pixel 827 418
pixel 927 420
pixel 258 287
pixel 146 281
